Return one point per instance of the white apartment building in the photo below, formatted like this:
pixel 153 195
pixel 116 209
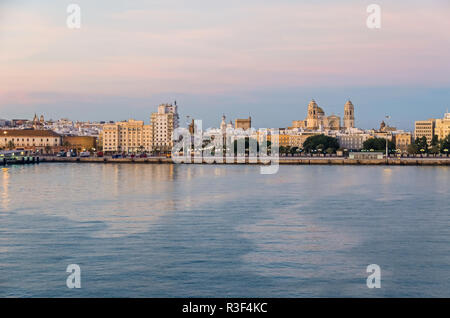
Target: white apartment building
pixel 442 128
pixel 163 123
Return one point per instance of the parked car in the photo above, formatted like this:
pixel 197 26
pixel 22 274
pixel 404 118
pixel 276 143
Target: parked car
pixel 61 154
pixel 143 155
pixel 100 154
pixel 117 156
pixel 85 154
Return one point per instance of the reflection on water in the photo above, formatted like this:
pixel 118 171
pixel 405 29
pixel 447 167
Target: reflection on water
pixel 197 230
pixel 4 188
pixel 127 198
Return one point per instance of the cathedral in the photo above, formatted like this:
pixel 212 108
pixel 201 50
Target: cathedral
pixel 38 122
pixel 316 119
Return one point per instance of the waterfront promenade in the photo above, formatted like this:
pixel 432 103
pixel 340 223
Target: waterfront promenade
pixel 282 161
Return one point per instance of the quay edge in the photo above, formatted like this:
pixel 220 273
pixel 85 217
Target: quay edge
pixel 282 161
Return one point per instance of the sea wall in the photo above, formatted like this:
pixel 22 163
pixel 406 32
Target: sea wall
pixel 282 161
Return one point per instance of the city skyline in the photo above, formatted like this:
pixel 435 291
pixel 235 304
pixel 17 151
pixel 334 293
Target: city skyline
pixel 214 118
pixel 257 58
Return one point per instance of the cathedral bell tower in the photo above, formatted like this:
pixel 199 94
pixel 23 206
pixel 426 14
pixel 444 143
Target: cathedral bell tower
pixel 349 115
pixel 312 121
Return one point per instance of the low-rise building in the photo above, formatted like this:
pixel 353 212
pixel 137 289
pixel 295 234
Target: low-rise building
pixel 80 142
pixel 402 141
pixel 292 138
pixel 4 123
pixel 29 139
pixel 365 155
pixel 352 141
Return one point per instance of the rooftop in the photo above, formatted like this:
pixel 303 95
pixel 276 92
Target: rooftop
pixel 27 133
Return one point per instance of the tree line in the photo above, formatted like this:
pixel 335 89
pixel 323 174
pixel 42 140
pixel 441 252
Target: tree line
pixel 326 144
pixel 420 145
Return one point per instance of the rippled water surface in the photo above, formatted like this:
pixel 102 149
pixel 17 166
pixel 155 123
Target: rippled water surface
pixel 223 231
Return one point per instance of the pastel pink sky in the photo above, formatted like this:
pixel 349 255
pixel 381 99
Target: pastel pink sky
pixel 141 51
pixel 214 47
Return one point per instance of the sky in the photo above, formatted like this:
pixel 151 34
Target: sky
pixel 264 59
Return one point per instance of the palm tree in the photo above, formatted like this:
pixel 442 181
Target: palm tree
pixel 11 145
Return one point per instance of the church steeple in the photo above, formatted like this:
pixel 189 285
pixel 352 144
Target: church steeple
pixel 349 115
pixel 223 124
pixel 313 115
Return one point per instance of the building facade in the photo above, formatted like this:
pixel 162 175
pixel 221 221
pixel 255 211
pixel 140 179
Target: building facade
pixel 442 126
pixel 29 139
pixel 317 120
pixel 352 141
pixel 134 136
pixel 83 143
pixel 289 138
pixel 127 136
pixel 424 128
pixel 349 115
pixel 163 123
pixel 243 123
pixel 433 127
pixel 402 141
